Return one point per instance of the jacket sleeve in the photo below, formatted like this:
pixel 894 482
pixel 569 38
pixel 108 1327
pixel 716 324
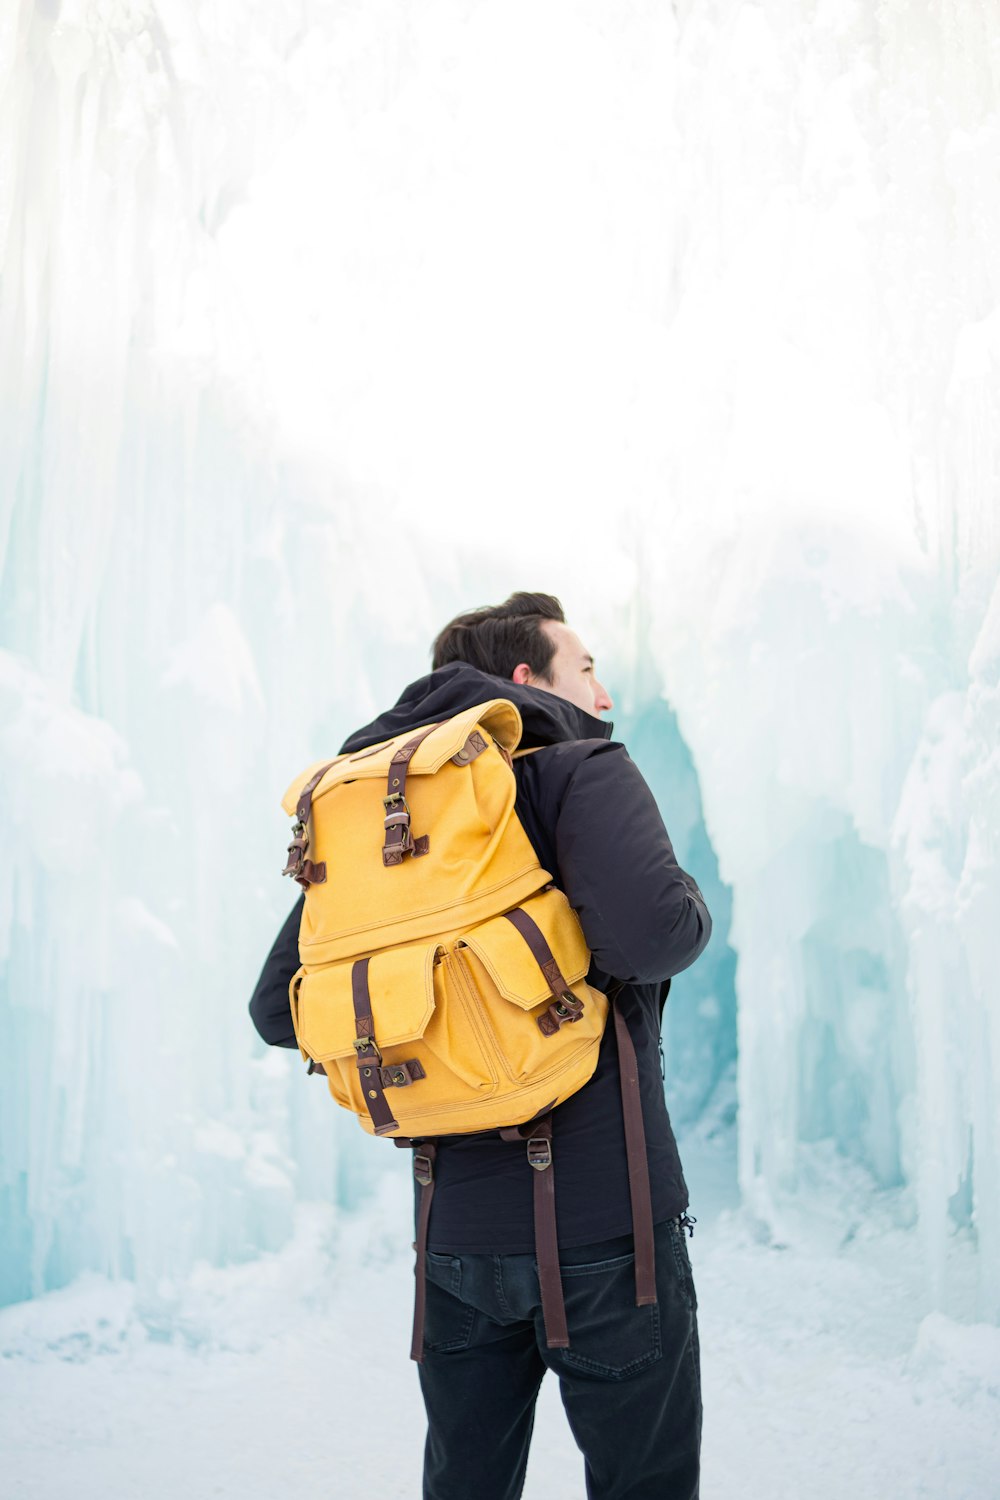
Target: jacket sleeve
pixel 269 1007
pixel 643 917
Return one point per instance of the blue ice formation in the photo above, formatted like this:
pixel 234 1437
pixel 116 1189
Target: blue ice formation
pixel 306 341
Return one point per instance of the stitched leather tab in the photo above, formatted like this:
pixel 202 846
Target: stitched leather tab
pixel 473 747
pixel 401 1075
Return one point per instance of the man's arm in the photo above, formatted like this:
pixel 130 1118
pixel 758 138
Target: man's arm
pixel 643 917
pixel 269 1008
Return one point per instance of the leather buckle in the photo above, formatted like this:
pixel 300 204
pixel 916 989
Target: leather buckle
pixel 561 1012
pixel 539 1153
pixel 423 1169
pixel 361 1045
pixel 398 838
pixel 296 850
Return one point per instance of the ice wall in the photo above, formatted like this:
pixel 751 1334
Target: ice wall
pixel 830 642
pixel 154 686
pixel 691 314
pixel 699 1019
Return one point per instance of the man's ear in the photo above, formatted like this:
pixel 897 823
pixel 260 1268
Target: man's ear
pixel 521 673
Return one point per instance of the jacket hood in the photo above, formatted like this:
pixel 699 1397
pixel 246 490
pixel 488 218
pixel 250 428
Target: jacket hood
pixel 547 719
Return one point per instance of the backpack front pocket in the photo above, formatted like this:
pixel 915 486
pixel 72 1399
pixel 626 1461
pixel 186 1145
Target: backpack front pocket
pixel 528 969
pixel 425 1045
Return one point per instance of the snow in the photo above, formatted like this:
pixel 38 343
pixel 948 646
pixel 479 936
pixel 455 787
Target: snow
pixel 820 1377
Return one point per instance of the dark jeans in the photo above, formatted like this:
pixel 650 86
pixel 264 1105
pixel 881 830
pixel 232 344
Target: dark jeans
pixel 630 1382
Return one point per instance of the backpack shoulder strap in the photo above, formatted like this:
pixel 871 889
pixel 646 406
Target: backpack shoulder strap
pixel 638 1165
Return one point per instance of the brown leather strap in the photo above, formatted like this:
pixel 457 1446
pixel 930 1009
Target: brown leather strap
pixel 398 838
pixel 535 939
pixel 369 1057
pixel 546 1236
pixel 539 1141
pixel 423 1170
pixel 303 870
pixel 638 1166
pixel 304 805
pixel 566 1006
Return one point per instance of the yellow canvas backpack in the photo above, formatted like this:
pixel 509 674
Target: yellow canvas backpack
pixel 442 986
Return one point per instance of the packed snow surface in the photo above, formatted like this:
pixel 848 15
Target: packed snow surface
pixel 290 1376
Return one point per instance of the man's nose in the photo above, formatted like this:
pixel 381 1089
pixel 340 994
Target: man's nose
pixel 602 699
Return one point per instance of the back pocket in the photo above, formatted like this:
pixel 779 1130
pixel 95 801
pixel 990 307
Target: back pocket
pixel 447 1320
pixel 611 1338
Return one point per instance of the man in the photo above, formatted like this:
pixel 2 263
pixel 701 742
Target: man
pixel 630 1379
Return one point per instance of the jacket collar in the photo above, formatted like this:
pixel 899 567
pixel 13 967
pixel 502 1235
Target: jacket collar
pixel 547 719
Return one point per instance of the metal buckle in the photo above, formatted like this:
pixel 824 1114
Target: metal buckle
pixel 539 1152
pixel 423 1169
pixel 296 850
pixel 397 816
pixel 362 1043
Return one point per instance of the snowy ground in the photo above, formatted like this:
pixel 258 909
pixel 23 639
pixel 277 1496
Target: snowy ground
pixel 822 1378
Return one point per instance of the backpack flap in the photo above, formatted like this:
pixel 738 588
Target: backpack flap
pixel 400 983
pixel 411 841
pixel 512 964
pixel 528 970
pixel 498 717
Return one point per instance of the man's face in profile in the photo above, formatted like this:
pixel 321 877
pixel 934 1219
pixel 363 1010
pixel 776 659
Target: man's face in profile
pixel 572 672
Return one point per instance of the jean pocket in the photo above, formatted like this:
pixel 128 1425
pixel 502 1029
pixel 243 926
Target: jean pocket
pixel 610 1338
pixel 447 1319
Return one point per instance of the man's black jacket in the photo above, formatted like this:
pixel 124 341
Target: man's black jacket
pixel 595 826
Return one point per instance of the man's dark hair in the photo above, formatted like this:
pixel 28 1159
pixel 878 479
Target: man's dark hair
pixel 497 637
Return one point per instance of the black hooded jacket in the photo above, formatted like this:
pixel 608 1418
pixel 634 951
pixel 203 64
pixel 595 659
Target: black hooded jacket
pixel 594 824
